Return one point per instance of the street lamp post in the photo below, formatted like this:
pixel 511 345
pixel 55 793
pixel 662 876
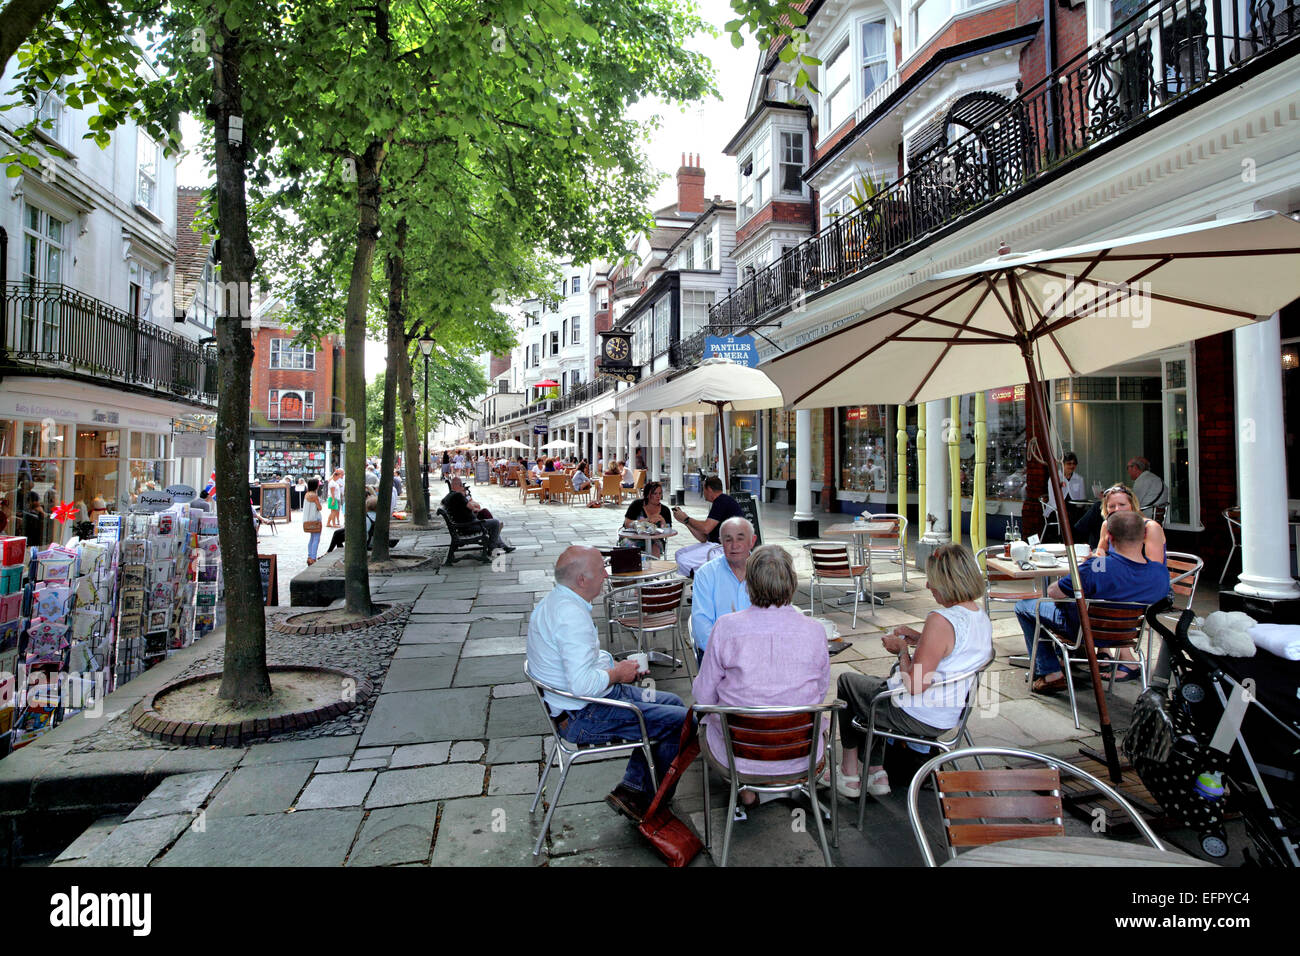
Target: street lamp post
pixel 426 348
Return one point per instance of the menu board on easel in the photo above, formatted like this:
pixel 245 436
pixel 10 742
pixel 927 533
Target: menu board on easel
pixel 275 502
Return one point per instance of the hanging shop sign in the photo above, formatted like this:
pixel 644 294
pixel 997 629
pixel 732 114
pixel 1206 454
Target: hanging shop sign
pixel 738 348
pixel 190 445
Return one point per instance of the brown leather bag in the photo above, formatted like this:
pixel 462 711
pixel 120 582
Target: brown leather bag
pixel 667 833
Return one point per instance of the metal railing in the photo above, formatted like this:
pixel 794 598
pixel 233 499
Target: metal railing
pixel 1158 56
pixel 581 394
pixel 688 351
pixel 262 420
pixel 51 327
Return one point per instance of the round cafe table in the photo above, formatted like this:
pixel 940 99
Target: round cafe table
pixel 860 531
pixel 632 535
pixel 647 572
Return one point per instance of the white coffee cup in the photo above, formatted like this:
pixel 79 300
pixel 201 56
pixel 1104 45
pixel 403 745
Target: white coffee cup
pixel 1081 551
pixel 1020 551
pixel 642 662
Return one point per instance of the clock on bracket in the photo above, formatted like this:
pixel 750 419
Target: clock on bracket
pixel 616 350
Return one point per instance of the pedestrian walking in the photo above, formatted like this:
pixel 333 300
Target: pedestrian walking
pixel 311 522
pixel 334 497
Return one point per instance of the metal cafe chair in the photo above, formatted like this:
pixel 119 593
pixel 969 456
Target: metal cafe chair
pixel 1184 574
pixel 770 734
pixel 947 741
pixel 831 563
pixel 994 798
pixel 649 607
pixel 1233 517
pixel 566 754
pixel 1115 625
pixel 889 545
pixel 1000 588
pixel 1051 519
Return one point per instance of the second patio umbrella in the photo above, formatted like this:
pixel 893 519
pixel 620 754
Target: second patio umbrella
pixel 1030 317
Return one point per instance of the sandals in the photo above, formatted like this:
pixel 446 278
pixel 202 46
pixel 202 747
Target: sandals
pixel 842 787
pixel 1123 673
pixel 1043 685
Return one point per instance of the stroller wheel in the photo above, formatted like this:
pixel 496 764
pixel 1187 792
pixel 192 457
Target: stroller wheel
pixel 1214 845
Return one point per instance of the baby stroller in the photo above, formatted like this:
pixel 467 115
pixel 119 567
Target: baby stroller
pixel 1230 722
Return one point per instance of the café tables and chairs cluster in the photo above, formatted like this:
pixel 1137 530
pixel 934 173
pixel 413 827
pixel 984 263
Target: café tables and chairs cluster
pixel 831 565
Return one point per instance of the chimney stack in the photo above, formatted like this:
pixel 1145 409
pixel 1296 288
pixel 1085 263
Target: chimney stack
pixel 690 185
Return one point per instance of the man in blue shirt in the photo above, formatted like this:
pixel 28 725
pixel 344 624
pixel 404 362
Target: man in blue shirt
pixel 564 651
pixel 1122 575
pixel 719 586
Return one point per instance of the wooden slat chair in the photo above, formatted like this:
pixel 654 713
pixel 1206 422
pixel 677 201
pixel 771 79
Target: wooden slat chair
pixel 1115 626
pixel 1184 575
pixel 832 565
pixel 527 491
pixel 889 545
pixel 648 608
pixel 572 493
pixel 611 488
pixel 512 475
pixel 1003 589
pixel 638 482
pixel 979 807
pixel 772 734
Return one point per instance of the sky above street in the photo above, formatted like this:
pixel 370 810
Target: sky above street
pixel 703 127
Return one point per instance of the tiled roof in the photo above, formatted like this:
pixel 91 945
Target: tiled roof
pixel 191 251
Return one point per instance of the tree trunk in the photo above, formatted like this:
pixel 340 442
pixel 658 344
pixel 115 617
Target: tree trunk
pixel 356 588
pixel 18 18
pixel 244 677
pixel 413 439
pixel 396 269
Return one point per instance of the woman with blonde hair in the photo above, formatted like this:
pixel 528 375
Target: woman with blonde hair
pixel 957 638
pixel 1121 498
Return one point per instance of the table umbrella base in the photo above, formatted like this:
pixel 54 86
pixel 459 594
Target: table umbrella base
pixel 847 600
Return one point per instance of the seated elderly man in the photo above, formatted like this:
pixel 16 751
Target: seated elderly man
pixel 564 651
pixel 720 583
pixel 463 510
pixel 1124 575
pixel 705 531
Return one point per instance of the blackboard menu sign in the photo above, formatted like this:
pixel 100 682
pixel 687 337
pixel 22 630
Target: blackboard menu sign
pixel 270 586
pixel 275 502
pixel 749 508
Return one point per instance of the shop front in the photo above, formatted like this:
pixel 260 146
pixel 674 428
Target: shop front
pixel 292 457
pixel 781 443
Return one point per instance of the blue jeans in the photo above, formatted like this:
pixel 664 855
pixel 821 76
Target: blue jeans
pixel 1061 618
pixel 601 724
pixel 313 544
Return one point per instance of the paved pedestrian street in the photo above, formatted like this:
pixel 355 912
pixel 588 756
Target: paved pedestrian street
pixel 444 770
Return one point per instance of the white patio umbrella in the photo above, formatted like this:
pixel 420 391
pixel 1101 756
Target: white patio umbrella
pixel 1033 316
pixel 512 443
pixel 710 386
pixel 559 444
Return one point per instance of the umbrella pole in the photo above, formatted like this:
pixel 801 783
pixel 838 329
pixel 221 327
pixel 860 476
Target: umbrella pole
pixel 724 463
pixel 1107 732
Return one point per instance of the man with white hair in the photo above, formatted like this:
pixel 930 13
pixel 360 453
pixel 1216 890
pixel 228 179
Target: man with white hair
pixel 564 652
pixel 719 586
pixel 1148 487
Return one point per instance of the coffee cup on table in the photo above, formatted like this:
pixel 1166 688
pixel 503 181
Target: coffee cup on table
pixel 642 662
pixel 1020 551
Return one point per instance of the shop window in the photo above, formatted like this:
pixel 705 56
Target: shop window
pixel 865 442
pixel 782 445
pixel 1004 411
pixel 742 444
pixel 701 437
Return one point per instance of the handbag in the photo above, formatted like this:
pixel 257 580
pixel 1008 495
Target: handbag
pixel 667 833
pixel 311 527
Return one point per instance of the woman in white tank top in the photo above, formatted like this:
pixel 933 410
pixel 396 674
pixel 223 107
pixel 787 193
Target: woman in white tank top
pixel 957 638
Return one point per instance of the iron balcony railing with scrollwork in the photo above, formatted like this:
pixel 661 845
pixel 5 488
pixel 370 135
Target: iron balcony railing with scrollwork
pixel 1163 54
pixel 688 351
pixel 581 394
pixel 52 328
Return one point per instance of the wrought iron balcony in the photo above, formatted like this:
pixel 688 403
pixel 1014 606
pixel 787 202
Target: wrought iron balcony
pixel 688 351
pixel 260 420
pixel 52 328
pixel 628 287
pixel 1165 53
pixel 581 394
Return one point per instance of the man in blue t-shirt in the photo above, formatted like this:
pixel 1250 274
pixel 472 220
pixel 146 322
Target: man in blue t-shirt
pixel 1122 575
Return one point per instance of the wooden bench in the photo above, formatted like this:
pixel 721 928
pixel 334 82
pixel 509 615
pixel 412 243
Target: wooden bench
pixel 470 536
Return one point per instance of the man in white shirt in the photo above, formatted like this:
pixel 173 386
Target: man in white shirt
pixel 1148 487
pixel 1071 483
pixel 719 586
pixel 564 651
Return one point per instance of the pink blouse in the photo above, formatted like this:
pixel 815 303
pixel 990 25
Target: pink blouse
pixel 763 656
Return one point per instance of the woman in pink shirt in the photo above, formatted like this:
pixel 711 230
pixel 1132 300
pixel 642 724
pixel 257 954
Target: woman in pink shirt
pixel 769 654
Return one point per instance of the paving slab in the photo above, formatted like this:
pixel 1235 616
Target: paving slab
pixel 621 856
pixel 420 755
pixel 521 689
pixel 422 632
pixel 515 717
pixel 91 837
pixel 515 749
pixel 424 716
pixel 395 787
pixel 293 750
pixel 480 671
pixel 332 765
pixel 480 629
pixel 467 750
pixel 138 842
pixel 395 835
pixel 586 783
pixel 332 790
pixel 494 646
pixel 305 838
pixel 193 759
pixel 424 673
pixel 182 793
pixel 487 831
pixel 408 651
pixel 442 605
pixel 371 763
pixel 513 778
pixel 262 788
pixel 580 827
